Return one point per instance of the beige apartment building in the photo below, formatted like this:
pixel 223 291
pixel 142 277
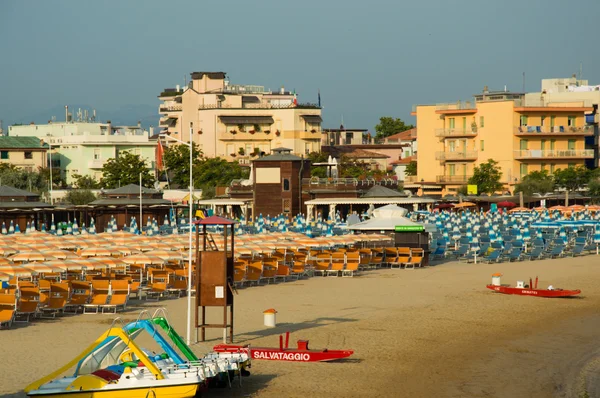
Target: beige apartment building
pixel 522 132
pixel 238 122
pixel 27 153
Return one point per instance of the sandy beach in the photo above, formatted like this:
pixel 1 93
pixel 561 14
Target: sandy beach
pixel 433 332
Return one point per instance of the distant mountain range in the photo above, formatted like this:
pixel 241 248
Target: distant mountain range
pixel 127 115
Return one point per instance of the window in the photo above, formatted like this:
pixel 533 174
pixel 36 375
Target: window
pixel 307 148
pixel 406 154
pixel 230 149
pixel 249 149
pixel 524 120
pixel 3 154
pixel 482 143
pixel 543 145
pixel 349 137
pixel 451 169
pixel 552 168
pixel 552 143
pixel 451 122
pixel 28 155
pixel 452 146
pixel 136 151
pixel 571 121
pixel 286 184
pixel 464 124
pixel 287 205
pixel 523 145
pixel 481 124
pixel 524 168
pixel 542 120
pixel 571 146
pixel 96 154
pixel 552 121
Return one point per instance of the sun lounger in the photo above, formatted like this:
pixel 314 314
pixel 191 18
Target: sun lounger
pixel 81 292
pixel 350 269
pixel 322 264
pixel 299 269
pixel 28 304
pixel 254 272
pixel 8 307
pixel 283 272
pixel 59 295
pixel 238 276
pixel 100 289
pixel 338 260
pixel 119 294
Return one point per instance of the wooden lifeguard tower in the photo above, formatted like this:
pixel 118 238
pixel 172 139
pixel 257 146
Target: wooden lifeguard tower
pixel 214 282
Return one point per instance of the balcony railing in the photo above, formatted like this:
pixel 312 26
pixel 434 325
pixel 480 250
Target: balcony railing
pixel 556 130
pixel 410 179
pixel 464 155
pixel 170 108
pixel 456 132
pixel 543 154
pixel 455 106
pixel 96 163
pixel 463 179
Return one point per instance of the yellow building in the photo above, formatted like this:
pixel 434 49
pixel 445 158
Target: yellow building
pixel 27 153
pixel 238 122
pixel 521 135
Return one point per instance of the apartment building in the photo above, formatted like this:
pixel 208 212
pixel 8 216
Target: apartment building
pixel 522 132
pixel 238 122
pixel 82 148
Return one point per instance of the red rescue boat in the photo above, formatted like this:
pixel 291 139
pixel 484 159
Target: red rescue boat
pixel 530 290
pixel 284 353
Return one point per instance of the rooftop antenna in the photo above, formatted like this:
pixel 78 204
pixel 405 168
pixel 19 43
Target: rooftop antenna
pixel 66 113
pixel 93 115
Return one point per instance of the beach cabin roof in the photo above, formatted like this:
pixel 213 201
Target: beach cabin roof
pixel 379 191
pixel 8 192
pixel 130 189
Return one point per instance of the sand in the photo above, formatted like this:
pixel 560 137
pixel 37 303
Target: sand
pixel 433 332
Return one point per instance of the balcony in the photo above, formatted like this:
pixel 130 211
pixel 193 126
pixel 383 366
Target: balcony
pixel 453 179
pixel 410 179
pixel 455 132
pixel 554 154
pixel 556 131
pixel 456 108
pixel 96 163
pixel 170 108
pixel 450 156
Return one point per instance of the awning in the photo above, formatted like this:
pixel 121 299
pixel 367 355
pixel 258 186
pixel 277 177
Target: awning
pixel 247 119
pixel 314 119
pixel 169 122
pixel 250 99
pixel 367 201
pixel 224 202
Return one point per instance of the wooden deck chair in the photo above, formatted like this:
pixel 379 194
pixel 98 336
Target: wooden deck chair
pixel 28 304
pixel 100 289
pixel 254 272
pixel 283 272
pixel 59 295
pixel 322 263
pixel 119 294
pixel 338 261
pixel 81 292
pixel 8 307
pixel 299 269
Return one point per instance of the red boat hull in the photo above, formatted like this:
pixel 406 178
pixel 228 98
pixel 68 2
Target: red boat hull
pixel 286 354
pixel 533 292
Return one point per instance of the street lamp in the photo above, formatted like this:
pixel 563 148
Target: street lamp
pixel 189 288
pixel 50 160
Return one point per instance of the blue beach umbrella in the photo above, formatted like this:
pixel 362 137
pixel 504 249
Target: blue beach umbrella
pixel 308 232
pixel 69 228
pixel 84 230
pixel 43 227
pixel 75 227
pixel 28 227
pixel 11 228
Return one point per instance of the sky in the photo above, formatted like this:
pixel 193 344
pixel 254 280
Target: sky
pixel 368 58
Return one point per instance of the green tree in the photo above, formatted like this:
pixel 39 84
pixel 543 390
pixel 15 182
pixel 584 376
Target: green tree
pixel 80 196
pixel 177 162
pixel 125 169
pixel 411 169
pixel 212 172
pixel 318 157
pixel 85 182
pixel 57 179
pixel 389 126
pixel 487 177
pixel 572 178
pixel 536 182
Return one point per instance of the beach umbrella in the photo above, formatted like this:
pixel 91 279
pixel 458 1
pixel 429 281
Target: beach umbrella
pixel 92 228
pixel 75 227
pixel 17 229
pixel 308 231
pixel 11 228
pixel 4 230
pixel 59 231
pixel 69 228
pixel 597 237
pixel 44 227
pixel 28 227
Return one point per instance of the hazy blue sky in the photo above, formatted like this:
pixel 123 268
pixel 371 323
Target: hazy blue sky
pixel 368 58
